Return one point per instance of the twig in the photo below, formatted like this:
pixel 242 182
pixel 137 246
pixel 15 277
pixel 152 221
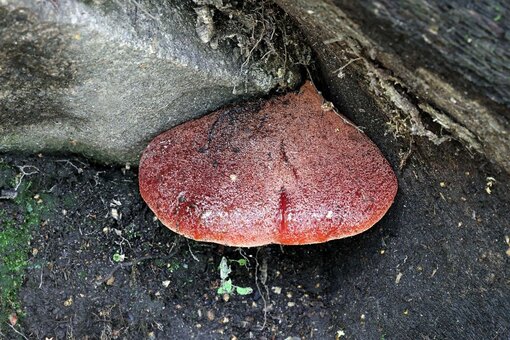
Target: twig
pixel 258 287
pixel 24 173
pixel 17 332
pixel 191 252
pixel 41 277
pixel 66 161
pixel 241 252
pixel 339 71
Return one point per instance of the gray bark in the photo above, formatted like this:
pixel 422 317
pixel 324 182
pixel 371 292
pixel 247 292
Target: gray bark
pixel 419 98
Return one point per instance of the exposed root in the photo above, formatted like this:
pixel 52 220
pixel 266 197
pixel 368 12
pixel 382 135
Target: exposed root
pixel 13 193
pixel 257 31
pixel 24 173
pixel 68 162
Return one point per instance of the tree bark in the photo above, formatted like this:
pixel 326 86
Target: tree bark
pixel 421 88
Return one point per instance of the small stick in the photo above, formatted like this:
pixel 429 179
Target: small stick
pixel 24 173
pixel 17 332
pixel 258 288
pixel 348 63
pixel 192 255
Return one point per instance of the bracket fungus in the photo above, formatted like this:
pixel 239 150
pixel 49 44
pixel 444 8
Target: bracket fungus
pixel 288 170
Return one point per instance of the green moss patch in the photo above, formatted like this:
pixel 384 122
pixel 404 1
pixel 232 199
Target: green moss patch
pixel 16 228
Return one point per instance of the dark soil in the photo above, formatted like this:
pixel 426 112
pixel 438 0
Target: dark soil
pixel 435 267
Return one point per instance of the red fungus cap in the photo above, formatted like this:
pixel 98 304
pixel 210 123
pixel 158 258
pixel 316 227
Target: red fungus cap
pixel 288 170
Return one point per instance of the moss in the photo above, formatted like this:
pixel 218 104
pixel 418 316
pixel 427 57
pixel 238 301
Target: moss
pixel 13 249
pixel 15 235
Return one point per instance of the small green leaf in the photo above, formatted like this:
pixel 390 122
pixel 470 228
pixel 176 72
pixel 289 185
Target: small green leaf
pixel 226 287
pixel 244 290
pixel 118 257
pixel 242 262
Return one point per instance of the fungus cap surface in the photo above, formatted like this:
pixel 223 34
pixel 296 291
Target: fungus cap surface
pixel 288 170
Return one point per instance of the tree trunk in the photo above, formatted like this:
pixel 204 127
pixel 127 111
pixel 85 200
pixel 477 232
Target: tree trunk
pixel 419 83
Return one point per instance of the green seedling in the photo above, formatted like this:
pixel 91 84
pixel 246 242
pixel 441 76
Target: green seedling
pixel 226 286
pixel 118 257
pixel 241 262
